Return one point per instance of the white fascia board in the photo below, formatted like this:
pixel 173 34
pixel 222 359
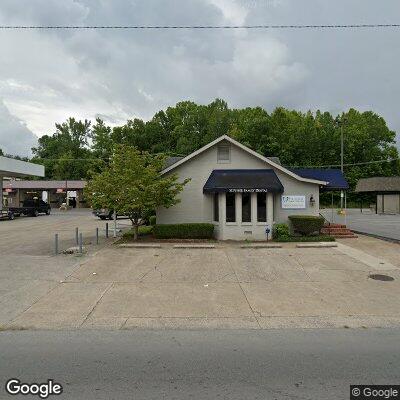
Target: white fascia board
pixel 254 153
pixel 15 168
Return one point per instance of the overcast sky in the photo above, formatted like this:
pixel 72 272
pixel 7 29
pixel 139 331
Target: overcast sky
pixel 47 76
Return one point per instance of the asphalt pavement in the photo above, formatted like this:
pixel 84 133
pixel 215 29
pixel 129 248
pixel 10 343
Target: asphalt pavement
pixel 142 364
pixel 380 225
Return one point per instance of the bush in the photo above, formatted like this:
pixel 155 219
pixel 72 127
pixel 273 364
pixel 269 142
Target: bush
pixel 184 231
pixel 143 230
pixel 306 224
pixel 280 231
pixel 152 220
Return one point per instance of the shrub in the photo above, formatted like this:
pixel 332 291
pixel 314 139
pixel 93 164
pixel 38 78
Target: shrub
pixel 152 220
pixel 184 231
pixel 280 231
pixel 143 230
pixel 306 224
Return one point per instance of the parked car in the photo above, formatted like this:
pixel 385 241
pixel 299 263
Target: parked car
pixel 6 214
pixel 105 213
pixel 32 207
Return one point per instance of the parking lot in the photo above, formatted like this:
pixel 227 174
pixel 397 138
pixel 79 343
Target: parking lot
pixel 382 225
pixel 224 287
pixel 28 267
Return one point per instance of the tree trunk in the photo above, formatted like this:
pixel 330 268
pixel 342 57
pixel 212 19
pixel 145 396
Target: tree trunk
pixel 135 232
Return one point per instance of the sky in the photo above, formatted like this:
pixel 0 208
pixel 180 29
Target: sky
pixel 48 76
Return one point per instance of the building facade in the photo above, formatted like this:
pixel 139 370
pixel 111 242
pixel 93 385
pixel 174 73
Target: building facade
pixel 11 168
pixel 387 192
pixel 53 192
pixel 238 190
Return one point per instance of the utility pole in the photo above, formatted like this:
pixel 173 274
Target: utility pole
pixel 341 161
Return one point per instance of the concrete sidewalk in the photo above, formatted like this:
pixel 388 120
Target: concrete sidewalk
pixel 225 287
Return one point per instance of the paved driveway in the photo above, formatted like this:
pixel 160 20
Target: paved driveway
pixel 225 287
pixel 387 226
pixel 28 268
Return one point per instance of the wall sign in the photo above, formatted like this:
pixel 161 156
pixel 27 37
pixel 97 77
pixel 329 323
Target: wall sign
pixel 248 190
pixel 293 202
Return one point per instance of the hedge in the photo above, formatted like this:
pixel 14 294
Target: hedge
pixel 184 231
pixel 306 224
pixel 152 220
pixel 280 231
pixel 143 230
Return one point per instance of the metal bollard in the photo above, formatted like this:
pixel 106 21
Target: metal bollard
pixel 77 236
pixel 97 235
pixel 80 243
pixel 107 230
pixel 56 243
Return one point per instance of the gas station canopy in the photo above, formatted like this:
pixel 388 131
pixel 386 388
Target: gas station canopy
pixel 12 168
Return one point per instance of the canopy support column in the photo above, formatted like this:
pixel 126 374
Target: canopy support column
pixel 1 193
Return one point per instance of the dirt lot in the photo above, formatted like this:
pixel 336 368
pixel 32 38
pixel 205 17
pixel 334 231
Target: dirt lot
pixel 224 287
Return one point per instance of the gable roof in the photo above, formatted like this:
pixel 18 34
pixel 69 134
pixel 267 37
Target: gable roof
pixel 172 160
pixel 246 149
pixel 334 177
pixel 379 184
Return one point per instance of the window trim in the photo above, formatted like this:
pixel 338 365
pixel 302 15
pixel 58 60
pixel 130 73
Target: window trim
pixel 250 201
pixel 224 161
pixel 234 208
pixel 266 208
pixel 216 208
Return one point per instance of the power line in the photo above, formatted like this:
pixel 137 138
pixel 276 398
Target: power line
pixel 194 27
pixel 345 165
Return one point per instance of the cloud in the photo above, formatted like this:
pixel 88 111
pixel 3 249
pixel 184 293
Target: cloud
pixel 48 76
pixel 15 137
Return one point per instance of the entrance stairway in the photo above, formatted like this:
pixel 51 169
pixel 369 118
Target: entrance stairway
pixel 338 231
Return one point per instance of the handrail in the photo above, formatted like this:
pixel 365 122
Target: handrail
pixel 325 219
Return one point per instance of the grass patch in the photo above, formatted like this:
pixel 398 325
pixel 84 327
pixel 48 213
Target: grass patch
pixel 319 238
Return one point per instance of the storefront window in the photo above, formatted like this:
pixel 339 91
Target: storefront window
pixel 230 207
pixel 246 207
pixel 216 207
pixel 261 207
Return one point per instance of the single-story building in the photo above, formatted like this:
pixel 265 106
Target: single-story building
pixel 11 168
pixel 242 192
pixel 53 192
pixel 387 191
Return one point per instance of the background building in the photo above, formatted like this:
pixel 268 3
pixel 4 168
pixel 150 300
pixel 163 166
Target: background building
pixel 387 191
pixel 12 168
pixel 53 192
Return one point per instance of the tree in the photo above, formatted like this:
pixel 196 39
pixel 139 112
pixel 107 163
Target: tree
pixel 66 153
pixel 132 185
pixel 1 152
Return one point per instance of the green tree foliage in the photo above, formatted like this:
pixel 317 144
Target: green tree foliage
pixel 132 185
pixel 66 153
pixel 310 139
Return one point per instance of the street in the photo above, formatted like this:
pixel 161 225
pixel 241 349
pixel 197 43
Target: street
pixel 271 364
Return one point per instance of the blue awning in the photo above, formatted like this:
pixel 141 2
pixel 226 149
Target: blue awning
pixel 334 177
pixel 243 181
